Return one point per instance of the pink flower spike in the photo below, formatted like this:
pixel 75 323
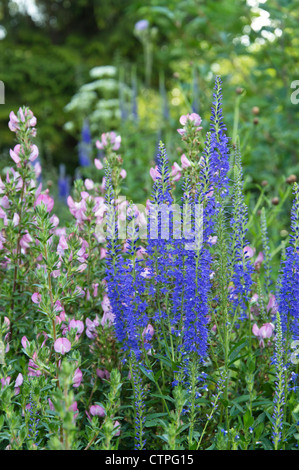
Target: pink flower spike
pixel 62 345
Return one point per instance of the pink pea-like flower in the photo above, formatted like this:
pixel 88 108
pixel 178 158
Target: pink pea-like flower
pixel 33 370
pixel 4 202
pixel 98 164
pixel 62 245
pixel 272 304
pixel 265 331
pixel 5 381
pixel 77 379
pixel 76 325
pixel 103 374
pixel 19 381
pixel 248 251
pixel 89 184
pixel 194 118
pixel 36 298
pixel 123 173
pixel 34 153
pixel 175 169
pixel 25 241
pixel 46 200
pixel 16 219
pixel 13 122
pixel 24 342
pixel 185 162
pixel 148 332
pixel 212 240
pixel 97 410
pixel 155 173
pixel 62 345
pixel 117 425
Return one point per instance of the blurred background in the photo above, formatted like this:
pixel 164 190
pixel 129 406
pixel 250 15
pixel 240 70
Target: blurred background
pixel 89 66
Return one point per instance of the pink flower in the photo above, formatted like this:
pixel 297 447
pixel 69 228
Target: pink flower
pixel 264 332
pixel 15 154
pixel 46 200
pixel 103 374
pixel 110 138
pixel 36 298
pixel 272 304
pixel 62 245
pixel 77 379
pixel 62 345
pixel 117 425
pixel 89 184
pixel 16 220
pixel 108 317
pixel 76 325
pixel 155 173
pixel 34 153
pixel 52 408
pixel 212 240
pixel 4 202
pixel 148 332
pixel 5 381
pixel 185 162
pixel 37 169
pixel 194 118
pixel 98 164
pixel 33 370
pixel 25 241
pixel 91 326
pixel 123 173
pixel 176 171
pixel 97 410
pixel 24 342
pixel 74 407
pixel 13 122
pixel 18 383
pixel 248 251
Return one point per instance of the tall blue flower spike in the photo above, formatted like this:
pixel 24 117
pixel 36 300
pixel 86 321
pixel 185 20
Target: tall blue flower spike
pixel 288 295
